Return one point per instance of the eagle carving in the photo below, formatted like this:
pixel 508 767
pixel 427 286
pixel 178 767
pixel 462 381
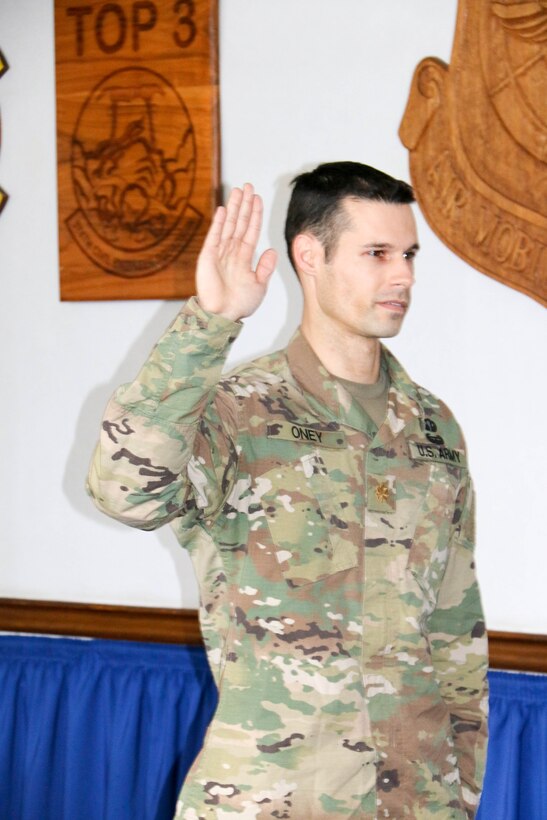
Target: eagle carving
pixel 476 131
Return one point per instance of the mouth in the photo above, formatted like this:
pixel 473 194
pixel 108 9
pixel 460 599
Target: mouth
pixel 394 305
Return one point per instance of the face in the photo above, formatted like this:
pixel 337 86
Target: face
pixel 364 288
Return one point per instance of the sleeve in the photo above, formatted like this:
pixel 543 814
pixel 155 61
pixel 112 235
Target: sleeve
pixel 166 447
pixel 459 651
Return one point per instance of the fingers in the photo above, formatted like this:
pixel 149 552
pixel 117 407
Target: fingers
pixel 233 220
pixel 233 207
pixel 245 211
pixel 241 220
pixel 266 265
pixel 212 237
pixel 254 223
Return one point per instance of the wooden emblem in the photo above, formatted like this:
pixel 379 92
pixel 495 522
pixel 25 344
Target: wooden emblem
pixel 477 136
pixel 137 144
pixel 3 68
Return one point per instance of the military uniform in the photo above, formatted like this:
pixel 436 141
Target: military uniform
pixel 339 604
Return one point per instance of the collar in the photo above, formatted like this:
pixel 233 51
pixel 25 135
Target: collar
pixel 330 400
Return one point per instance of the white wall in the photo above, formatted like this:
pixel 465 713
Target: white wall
pixel 303 81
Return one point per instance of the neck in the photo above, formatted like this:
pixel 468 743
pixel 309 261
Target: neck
pixel 346 355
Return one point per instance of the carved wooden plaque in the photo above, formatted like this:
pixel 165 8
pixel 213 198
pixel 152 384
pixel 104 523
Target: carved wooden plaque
pixel 137 144
pixel 477 135
pixel 3 69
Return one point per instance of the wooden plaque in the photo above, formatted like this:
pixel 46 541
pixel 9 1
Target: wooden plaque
pixel 137 144
pixel 477 135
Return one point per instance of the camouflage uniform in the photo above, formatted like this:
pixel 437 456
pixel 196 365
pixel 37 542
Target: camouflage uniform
pixel 339 604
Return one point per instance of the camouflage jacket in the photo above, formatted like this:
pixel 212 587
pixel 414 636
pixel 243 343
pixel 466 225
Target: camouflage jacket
pixel 339 604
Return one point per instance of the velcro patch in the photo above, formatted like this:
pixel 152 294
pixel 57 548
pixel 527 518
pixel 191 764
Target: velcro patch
pixel 334 439
pixel 424 451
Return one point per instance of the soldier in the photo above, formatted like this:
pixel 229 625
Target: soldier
pixel 326 503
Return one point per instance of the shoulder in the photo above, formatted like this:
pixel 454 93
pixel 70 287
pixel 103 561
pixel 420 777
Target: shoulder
pixel 440 425
pixel 261 373
pixel 437 421
pixel 431 403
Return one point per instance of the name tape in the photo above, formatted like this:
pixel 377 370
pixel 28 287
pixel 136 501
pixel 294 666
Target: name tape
pixel 286 431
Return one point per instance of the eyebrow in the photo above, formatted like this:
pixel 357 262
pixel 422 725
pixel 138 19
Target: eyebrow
pixel 388 246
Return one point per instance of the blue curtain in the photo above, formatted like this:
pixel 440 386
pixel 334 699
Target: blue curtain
pixel 98 730
pixel 106 730
pixel 515 786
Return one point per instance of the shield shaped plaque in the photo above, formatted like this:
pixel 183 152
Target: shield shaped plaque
pixel 477 135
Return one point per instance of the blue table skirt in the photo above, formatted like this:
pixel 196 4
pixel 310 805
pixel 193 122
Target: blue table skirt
pixel 106 730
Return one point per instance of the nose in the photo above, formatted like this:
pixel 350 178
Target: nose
pixel 402 272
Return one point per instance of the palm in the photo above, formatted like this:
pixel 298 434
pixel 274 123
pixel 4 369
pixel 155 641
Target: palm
pixel 226 282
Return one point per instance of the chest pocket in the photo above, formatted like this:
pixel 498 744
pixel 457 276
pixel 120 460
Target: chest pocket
pixel 310 520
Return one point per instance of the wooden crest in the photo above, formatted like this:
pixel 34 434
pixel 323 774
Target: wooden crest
pixel 477 135
pixel 137 144
pixel 3 68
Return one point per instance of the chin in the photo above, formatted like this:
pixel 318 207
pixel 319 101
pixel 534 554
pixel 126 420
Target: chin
pixel 389 332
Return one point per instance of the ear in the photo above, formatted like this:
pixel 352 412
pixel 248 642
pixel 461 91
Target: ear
pixel 307 253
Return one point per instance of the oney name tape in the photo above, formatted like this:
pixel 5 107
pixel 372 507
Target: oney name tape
pixel 286 431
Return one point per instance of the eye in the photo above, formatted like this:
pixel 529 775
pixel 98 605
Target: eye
pixel 410 255
pixel 377 253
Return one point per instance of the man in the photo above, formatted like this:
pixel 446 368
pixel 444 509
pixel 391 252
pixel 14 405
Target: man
pixel 327 506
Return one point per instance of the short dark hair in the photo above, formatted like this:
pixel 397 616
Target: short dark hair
pixel 316 200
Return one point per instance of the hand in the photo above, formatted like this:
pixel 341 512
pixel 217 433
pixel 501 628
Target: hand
pixel 226 283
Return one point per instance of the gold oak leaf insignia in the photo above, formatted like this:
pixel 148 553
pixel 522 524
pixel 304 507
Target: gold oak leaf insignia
pixel 382 492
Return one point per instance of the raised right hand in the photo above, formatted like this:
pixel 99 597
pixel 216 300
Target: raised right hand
pixel 226 283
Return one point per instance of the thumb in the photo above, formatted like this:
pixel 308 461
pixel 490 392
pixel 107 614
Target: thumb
pixel 266 266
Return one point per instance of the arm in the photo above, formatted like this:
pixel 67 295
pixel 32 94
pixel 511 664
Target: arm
pixel 166 447
pixel 155 428
pixel 459 651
